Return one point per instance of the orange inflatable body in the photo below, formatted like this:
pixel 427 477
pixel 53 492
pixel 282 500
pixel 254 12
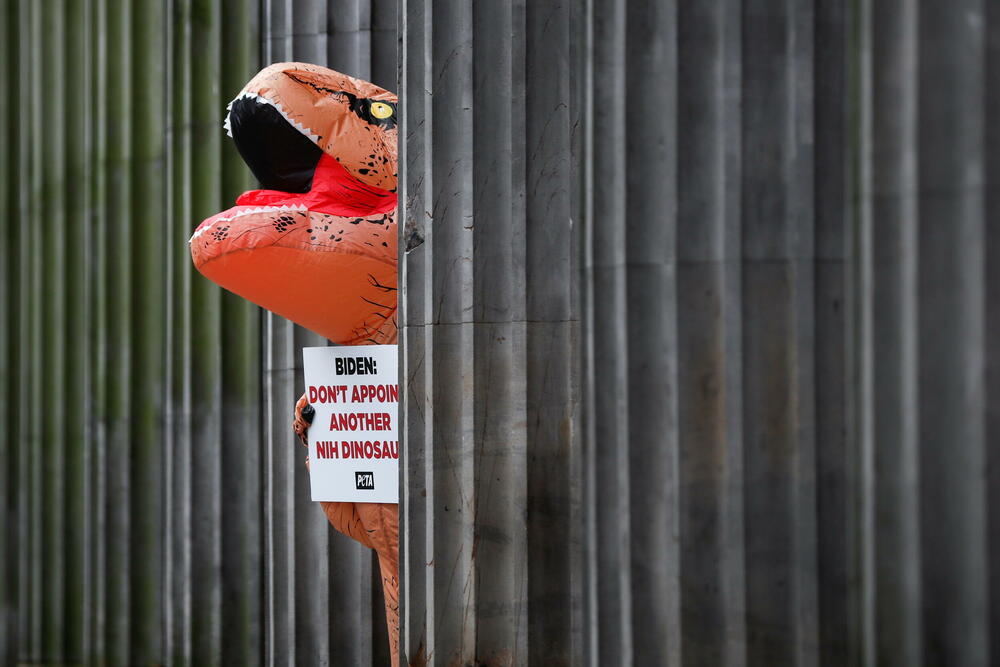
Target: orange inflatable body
pixel 318 245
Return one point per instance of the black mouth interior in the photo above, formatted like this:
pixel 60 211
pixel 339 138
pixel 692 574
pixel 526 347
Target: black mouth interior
pixel 280 156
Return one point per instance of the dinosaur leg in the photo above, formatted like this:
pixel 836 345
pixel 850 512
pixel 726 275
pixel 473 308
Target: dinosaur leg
pixel 345 518
pixel 375 525
pixel 381 521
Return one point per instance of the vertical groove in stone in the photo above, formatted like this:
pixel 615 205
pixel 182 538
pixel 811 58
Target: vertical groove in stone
pixel 951 319
pixel 852 471
pixel 891 194
pixel 31 630
pixel 308 27
pixel 708 347
pixel 9 238
pixel 611 335
pixel 52 192
pixel 992 296
pixel 415 417
pixel 13 376
pixel 283 455
pixel 177 574
pixel 97 332
pixel 581 642
pixel 207 104
pixel 148 297
pixel 778 329
pixel 118 570
pixel 27 589
pixel 450 335
pixel 499 429
pixel 831 110
pixel 348 33
pixel 241 580
pixel 552 314
pixel 77 294
pixel 384 43
pixel 649 224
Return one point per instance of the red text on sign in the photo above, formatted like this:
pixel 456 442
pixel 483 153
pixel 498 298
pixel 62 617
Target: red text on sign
pixel 379 393
pixel 327 393
pixel 364 421
pixel 356 449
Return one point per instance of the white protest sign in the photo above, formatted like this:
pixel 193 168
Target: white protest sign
pixel 353 439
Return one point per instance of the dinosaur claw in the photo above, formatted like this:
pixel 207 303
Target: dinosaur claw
pixel 302 418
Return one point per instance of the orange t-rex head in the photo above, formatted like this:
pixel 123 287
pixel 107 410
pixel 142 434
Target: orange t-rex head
pixel 318 244
pixel 351 120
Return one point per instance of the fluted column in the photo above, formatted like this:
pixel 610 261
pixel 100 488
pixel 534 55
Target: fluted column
pixel 489 334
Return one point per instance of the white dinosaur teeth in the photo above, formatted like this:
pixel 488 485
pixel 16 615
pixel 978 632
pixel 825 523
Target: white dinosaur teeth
pixel 201 230
pixel 247 211
pixel 302 129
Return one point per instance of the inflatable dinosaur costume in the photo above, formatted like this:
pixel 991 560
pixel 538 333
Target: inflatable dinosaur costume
pixel 318 244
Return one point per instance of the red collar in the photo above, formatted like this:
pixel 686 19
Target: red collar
pixel 334 191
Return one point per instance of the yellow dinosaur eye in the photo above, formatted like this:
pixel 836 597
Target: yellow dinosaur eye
pixel 381 110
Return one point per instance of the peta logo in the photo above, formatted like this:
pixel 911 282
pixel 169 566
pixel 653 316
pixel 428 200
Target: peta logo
pixel 364 481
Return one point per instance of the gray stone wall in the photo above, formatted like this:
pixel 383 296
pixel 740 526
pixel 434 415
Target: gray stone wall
pixel 697 304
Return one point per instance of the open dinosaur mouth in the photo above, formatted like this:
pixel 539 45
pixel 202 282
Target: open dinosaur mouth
pixel 279 150
pixel 294 171
pixel 296 174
